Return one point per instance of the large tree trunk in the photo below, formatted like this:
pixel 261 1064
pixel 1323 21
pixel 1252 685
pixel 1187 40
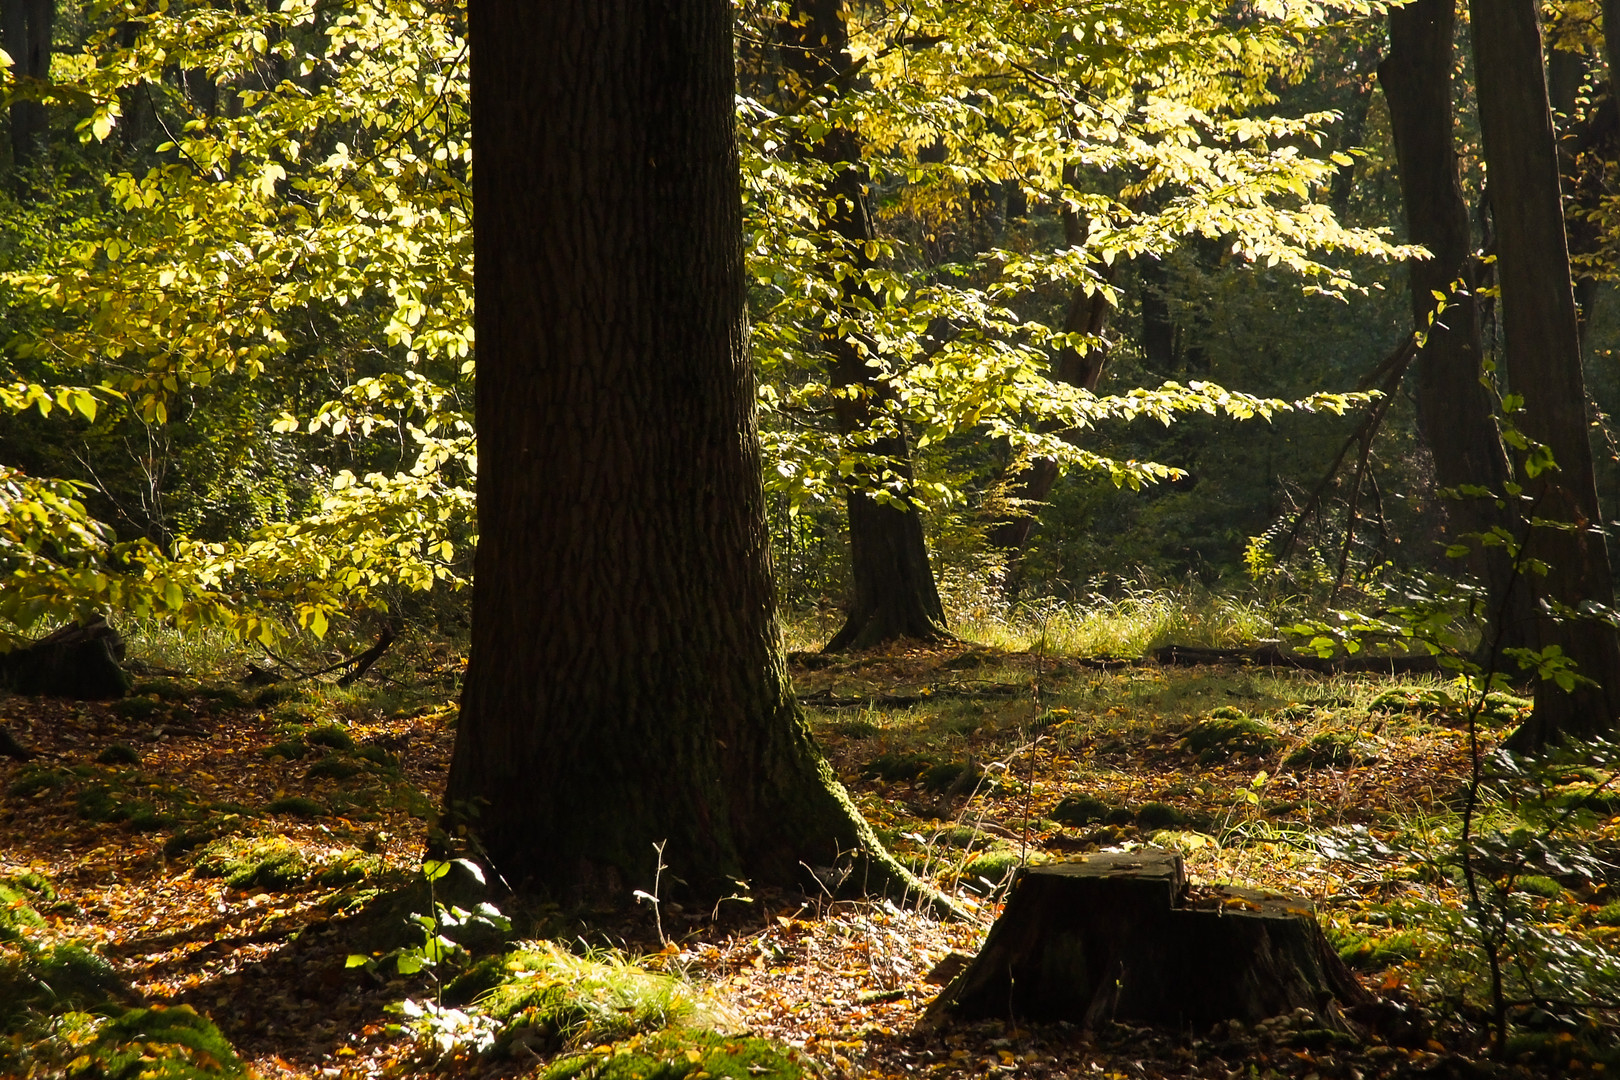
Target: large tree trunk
pixel 626 686
pixel 1455 410
pixel 894 591
pixel 25 33
pixel 1543 363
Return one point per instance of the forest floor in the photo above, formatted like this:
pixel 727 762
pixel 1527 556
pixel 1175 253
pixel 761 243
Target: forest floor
pixel 230 849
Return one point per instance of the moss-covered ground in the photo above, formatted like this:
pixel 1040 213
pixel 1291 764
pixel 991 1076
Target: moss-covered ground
pixel 203 859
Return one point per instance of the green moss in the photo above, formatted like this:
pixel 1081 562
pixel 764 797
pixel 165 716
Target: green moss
pixel 1369 952
pixel 993 867
pixel 1153 816
pixel 1221 736
pixel 1077 810
pixel 1538 885
pixel 347 866
pixel 271 862
pixel 687 1055
pixel 1608 914
pixel 118 754
pixel 331 736
pixel 174 1043
pixel 377 755
pixel 856 729
pixel 16 909
pixel 136 708
pixel 1228 712
pixel 290 749
pixel 559 998
pixel 56 978
pixel 334 767
pixel 296 806
pixel 1332 749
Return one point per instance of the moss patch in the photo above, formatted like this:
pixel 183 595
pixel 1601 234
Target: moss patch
pixel 679 1055
pixel 1223 734
pixel 270 862
pixel 1332 749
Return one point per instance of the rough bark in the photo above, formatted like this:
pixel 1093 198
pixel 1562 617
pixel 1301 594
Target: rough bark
pixel 25 33
pixel 1455 410
pixel 1111 938
pixel 626 685
pixel 895 595
pixel 79 661
pixel 1543 365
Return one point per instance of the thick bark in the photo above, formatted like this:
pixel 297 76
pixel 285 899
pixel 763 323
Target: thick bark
pixel 626 685
pixel 894 591
pixel 1455 410
pixel 25 33
pixel 1543 364
pixel 80 661
pixel 1112 938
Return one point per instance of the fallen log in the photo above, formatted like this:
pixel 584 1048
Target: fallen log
pixel 1114 937
pixel 80 661
pixel 1271 655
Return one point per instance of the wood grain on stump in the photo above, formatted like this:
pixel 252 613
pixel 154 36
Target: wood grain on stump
pixel 1113 937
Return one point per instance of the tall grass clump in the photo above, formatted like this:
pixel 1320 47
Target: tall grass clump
pixel 1127 620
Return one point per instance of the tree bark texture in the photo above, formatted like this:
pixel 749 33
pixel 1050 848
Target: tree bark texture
pixel 1543 364
pixel 25 33
pixel 1112 938
pixel 1455 410
pixel 626 685
pixel 895 595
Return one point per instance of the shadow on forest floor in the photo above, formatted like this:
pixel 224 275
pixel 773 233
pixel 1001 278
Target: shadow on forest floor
pixel 222 850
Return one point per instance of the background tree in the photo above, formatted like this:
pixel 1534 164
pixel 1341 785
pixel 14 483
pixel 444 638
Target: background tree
pixel 626 685
pixel 1543 366
pixel 1454 409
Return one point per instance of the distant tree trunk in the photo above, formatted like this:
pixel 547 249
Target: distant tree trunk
pixel 1543 363
pixel 1088 314
pixel 1455 411
pixel 25 33
pixel 894 591
pixel 626 685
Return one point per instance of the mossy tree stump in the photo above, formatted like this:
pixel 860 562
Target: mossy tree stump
pixel 1113 937
pixel 80 661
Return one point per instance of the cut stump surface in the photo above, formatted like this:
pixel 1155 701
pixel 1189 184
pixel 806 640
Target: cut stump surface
pixel 1114 937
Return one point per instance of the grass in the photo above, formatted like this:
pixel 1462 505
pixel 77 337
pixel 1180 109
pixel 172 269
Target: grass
pixel 552 998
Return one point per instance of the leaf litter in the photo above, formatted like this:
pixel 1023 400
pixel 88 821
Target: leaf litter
pixel 137 845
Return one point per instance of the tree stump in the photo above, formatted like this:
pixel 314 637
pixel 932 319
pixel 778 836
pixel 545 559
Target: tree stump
pixel 78 661
pixel 1114 937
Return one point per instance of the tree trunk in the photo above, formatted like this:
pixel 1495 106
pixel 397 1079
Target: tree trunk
pixel 626 686
pixel 1543 364
pixel 25 33
pixel 80 661
pixel 1112 938
pixel 894 591
pixel 1455 410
